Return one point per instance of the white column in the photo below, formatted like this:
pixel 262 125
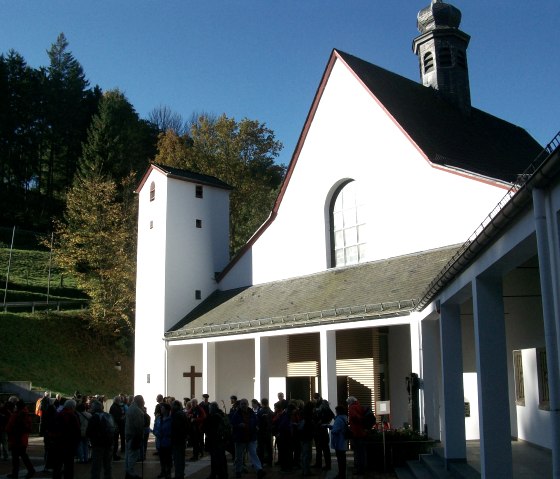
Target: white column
pixel 209 369
pixel 416 362
pixel 452 383
pixel 546 227
pixel 261 388
pixel 328 365
pixel 491 364
pixel 431 372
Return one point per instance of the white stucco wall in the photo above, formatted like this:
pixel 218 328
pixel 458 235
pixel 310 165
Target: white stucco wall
pixel 149 352
pixel 399 369
pixel 174 259
pixel 533 424
pixel 412 205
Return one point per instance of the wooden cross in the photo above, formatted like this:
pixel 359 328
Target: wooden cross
pixel 192 375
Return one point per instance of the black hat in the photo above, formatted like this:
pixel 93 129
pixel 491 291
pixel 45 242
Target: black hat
pixel 206 396
pixel 233 397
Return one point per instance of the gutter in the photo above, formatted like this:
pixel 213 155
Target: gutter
pixel 540 173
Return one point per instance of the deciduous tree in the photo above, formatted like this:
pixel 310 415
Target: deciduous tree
pixel 242 154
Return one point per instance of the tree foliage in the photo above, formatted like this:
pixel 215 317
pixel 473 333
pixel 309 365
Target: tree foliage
pixel 94 243
pixel 242 154
pixel 44 115
pixel 97 239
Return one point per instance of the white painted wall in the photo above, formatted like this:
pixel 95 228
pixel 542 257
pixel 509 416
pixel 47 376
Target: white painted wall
pixel 399 369
pixel 174 259
pixel 413 206
pixel 470 391
pixel 533 423
pixel 149 352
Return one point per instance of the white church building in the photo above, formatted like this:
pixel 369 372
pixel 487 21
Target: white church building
pixel 360 282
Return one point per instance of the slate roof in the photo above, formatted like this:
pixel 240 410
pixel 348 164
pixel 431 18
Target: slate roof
pixel 185 175
pixel 479 142
pixel 390 287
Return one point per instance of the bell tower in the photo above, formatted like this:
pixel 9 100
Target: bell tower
pixel 442 53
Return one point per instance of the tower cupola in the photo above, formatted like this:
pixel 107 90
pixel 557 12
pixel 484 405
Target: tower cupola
pixel 442 53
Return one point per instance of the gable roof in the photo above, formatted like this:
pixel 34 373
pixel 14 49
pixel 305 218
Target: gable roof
pixel 477 142
pixel 377 289
pixel 184 175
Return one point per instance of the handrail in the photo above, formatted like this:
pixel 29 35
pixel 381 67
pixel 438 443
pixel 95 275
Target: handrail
pixel 34 304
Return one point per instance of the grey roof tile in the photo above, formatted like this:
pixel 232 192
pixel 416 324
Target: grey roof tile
pixel 389 287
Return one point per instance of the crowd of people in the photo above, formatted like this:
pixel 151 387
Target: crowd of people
pixel 79 430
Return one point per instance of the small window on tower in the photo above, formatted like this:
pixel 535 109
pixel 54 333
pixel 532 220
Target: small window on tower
pixel 198 192
pixel 199 223
pixel 428 62
pixel 152 191
pixel 198 294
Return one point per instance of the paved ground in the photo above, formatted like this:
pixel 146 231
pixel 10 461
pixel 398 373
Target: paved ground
pixel 150 468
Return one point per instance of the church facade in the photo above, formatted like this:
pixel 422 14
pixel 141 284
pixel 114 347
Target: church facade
pixel 347 287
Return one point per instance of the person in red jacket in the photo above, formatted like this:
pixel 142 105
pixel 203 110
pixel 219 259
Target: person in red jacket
pixel 18 429
pixel 356 424
pixel 66 437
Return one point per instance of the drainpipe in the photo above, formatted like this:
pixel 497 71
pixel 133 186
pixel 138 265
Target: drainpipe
pixel 548 302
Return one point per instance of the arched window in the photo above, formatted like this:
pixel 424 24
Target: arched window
pixel 152 191
pixel 428 62
pixel 348 232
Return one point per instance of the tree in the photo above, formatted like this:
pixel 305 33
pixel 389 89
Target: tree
pixel 166 119
pixel 20 135
pixel 94 244
pixel 97 239
pixel 240 153
pixel 118 141
pixel 68 108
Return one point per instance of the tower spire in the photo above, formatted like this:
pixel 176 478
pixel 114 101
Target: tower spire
pixel 442 53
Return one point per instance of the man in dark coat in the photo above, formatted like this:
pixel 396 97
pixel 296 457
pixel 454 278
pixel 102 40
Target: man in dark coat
pixel 178 438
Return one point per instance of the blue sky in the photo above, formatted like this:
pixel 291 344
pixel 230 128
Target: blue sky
pixel 263 59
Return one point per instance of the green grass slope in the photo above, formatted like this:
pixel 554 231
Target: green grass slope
pixel 56 352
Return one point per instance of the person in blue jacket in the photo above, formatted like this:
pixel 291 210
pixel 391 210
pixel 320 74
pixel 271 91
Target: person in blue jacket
pixel 339 440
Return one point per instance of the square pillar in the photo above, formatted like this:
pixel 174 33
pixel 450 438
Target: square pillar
pixel 209 369
pixel 328 366
pixel 431 374
pixel 452 383
pixel 261 387
pixel 491 364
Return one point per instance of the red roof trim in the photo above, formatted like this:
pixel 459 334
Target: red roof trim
pixel 295 156
pixel 464 174
pixel 291 167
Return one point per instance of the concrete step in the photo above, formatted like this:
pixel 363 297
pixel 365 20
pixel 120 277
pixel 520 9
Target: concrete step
pixel 404 473
pixel 419 470
pixel 436 465
pixel 462 470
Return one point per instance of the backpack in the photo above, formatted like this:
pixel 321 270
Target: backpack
pixel 83 423
pixel 264 421
pixel 223 432
pixel 106 428
pixel 325 413
pixel 369 419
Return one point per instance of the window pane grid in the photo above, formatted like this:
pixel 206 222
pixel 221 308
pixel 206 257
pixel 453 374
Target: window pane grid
pixel 349 232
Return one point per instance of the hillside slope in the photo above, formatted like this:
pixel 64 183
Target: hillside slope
pixel 56 352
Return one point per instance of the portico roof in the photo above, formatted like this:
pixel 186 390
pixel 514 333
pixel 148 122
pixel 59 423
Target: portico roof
pixel 377 289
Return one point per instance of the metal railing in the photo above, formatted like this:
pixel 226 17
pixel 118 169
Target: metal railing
pixel 43 305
